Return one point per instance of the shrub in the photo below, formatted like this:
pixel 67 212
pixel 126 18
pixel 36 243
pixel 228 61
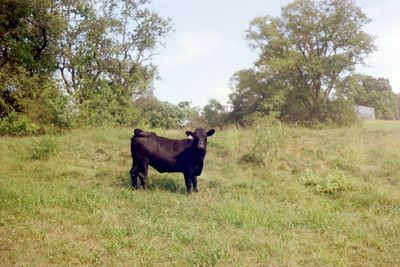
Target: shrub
pixel 330 184
pixel 17 125
pixel 338 112
pixel 44 148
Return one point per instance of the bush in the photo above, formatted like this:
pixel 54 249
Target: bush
pixel 18 125
pixel 44 148
pixel 330 184
pixel 338 112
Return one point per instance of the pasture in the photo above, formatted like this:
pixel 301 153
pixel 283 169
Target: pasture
pixel 271 195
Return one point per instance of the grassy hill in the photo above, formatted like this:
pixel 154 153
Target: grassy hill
pixel 271 195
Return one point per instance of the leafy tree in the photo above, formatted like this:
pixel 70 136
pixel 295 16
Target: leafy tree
pixel 309 49
pixel 190 114
pixel 373 92
pixel 106 50
pixel 161 114
pixel 258 92
pixel 92 57
pixel 215 113
pixel 29 30
pixel 28 35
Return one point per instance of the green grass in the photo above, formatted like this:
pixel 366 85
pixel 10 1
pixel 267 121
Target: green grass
pixel 271 195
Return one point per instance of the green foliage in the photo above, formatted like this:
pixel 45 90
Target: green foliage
pixel 215 113
pixel 255 91
pixel 303 55
pixel 373 92
pixel 66 63
pixel 18 125
pixel 166 115
pixel 267 137
pixel 338 112
pixel 332 183
pixel 103 65
pixel 30 31
pixel 44 148
pixel 34 97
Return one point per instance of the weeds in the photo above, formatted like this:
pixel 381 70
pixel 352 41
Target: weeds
pixel 328 184
pixel 44 148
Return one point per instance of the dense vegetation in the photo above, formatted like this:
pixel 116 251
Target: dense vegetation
pixel 76 62
pixel 269 195
pixel 66 64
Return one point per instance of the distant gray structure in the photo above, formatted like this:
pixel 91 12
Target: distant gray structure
pixel 364 112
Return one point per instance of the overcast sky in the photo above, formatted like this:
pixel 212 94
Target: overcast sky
pixel 209 45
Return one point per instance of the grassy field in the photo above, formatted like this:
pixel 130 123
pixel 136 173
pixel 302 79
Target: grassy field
pixel 271 195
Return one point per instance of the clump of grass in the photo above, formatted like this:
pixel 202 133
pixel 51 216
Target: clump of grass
pixel 268 136
pixel 252 158
pixel 44 148
pixel 329 184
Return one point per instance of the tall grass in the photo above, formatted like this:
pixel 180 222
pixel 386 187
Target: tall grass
pixel 269 195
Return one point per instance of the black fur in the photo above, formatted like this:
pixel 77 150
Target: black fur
pixel 169 155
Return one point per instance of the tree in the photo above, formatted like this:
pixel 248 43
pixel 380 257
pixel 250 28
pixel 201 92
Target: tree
pixel 190 114
pixel 372 92
pixel 106 53
pixel 29 32
pixel 310 48
pixel 89 56
pixel 255 91
pixel 161 114
pixel 215 113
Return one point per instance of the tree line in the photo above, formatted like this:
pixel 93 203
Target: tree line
pixel 70 63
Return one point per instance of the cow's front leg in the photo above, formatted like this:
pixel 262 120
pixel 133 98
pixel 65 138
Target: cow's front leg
pixel 194 180
pixel 188 182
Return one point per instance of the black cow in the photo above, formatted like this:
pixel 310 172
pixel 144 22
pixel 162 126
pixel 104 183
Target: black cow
pixel 169 155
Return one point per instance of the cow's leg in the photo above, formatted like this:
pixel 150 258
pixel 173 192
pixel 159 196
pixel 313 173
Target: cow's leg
pixel 134 175
pixel 194 180
pixel 188 182
pixel 143 173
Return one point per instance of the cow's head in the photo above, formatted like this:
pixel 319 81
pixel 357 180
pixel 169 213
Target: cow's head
pixel 200 137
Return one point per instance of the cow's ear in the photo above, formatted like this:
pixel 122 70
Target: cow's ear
pixel 189 133
pixel 210 132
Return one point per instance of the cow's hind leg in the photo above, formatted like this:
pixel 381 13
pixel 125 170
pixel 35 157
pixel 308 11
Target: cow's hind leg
pixel 134 175
pixel 143 174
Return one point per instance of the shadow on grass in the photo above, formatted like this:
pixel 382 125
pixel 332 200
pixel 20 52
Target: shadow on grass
pixel 167 184
pixel 155 182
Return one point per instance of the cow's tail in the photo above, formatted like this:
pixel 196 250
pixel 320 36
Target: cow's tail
pixel 140 133
pixel 137 132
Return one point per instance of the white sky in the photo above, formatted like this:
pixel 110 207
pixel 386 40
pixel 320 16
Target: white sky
pixel 208 45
